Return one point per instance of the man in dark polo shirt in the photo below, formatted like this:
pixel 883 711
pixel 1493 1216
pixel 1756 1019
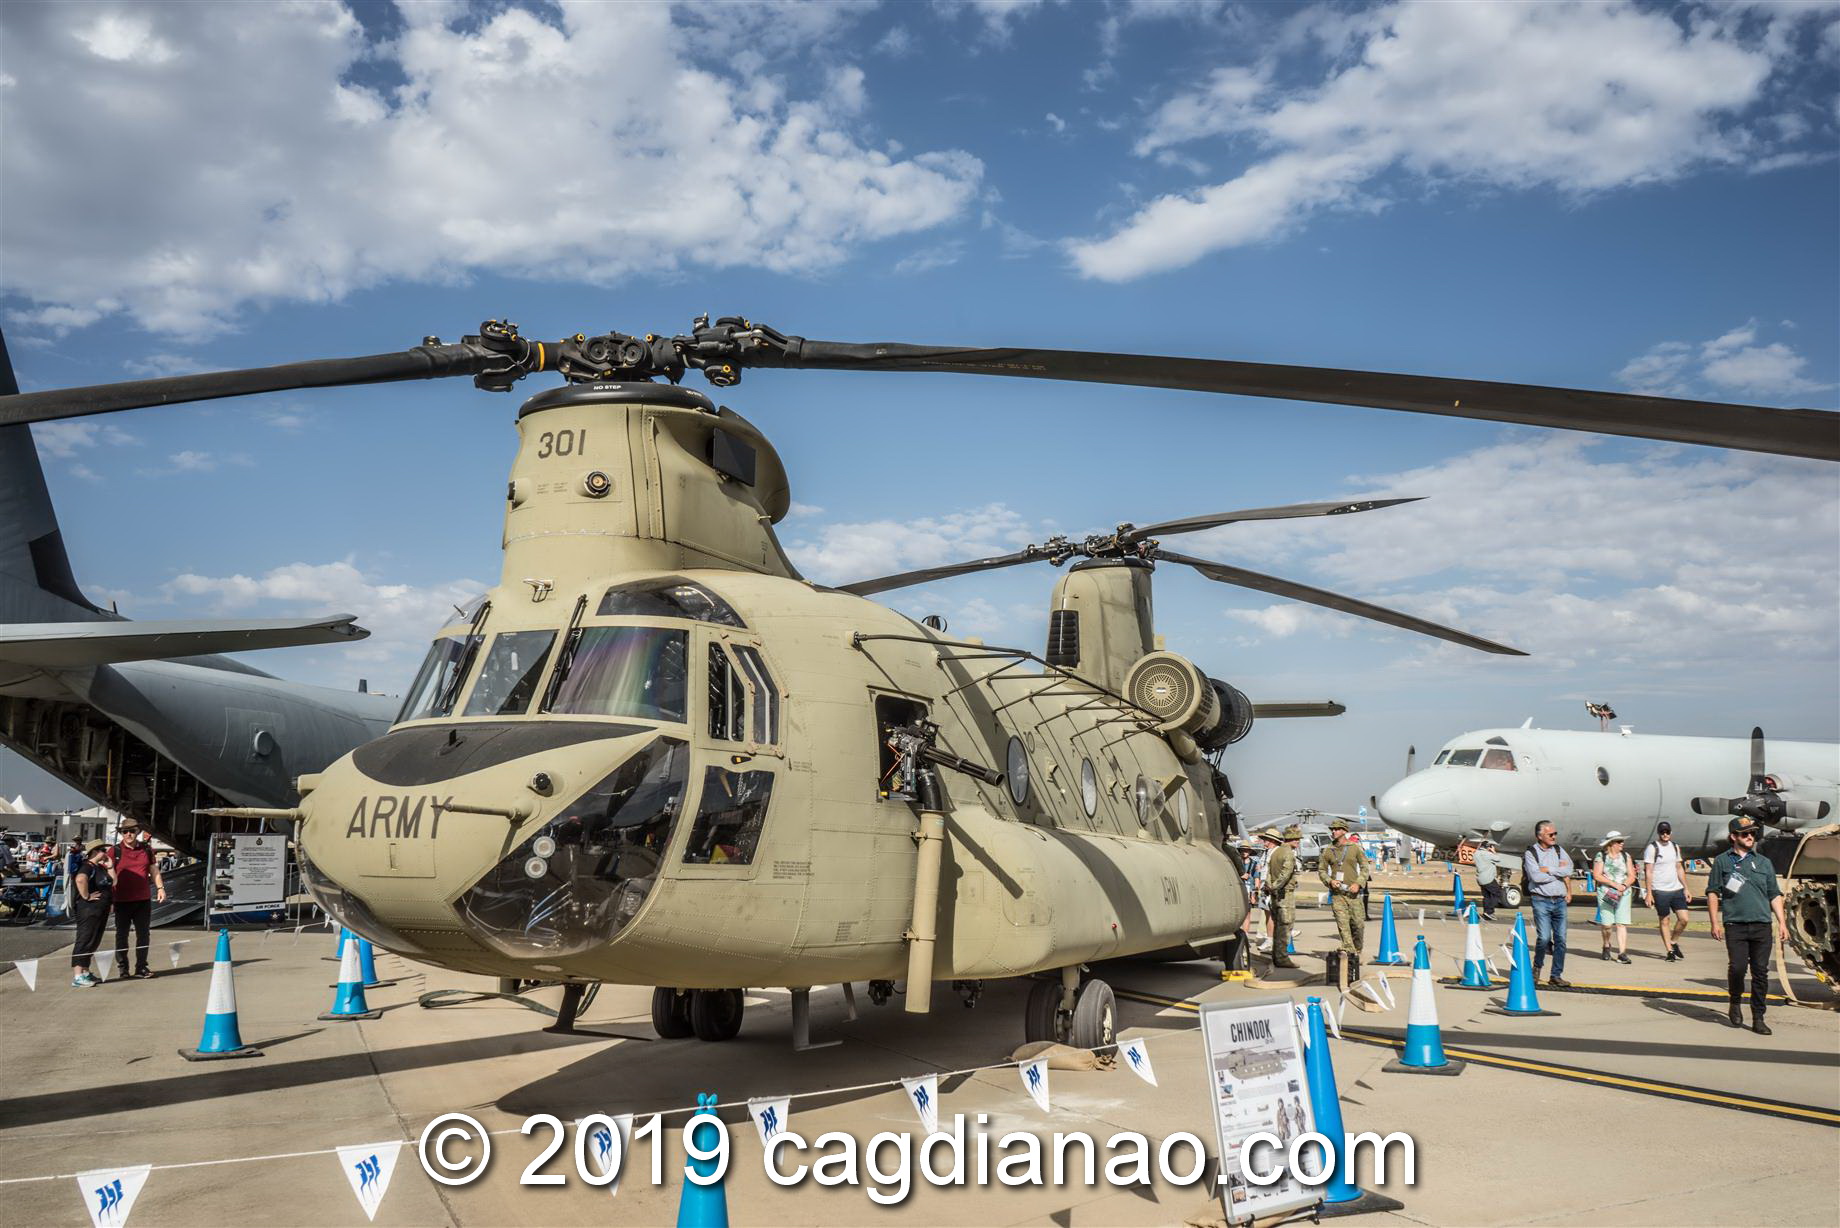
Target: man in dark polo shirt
pixel 1742 896
pixel 137 884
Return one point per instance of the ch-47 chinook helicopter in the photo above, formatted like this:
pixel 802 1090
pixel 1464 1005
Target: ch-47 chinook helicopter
pixel 654 755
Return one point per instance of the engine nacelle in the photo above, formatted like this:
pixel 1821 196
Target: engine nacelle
pixel 1186 701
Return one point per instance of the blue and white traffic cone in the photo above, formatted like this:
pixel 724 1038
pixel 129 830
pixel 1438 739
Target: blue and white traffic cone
pixel 703 1206
pixel 348 1003
pixel 1456 894
pixel 1424 1051
pixel 1389 937
pixel 1522 998
pixel 1341 1196
pixel 367 964
pixel 1475 963
pixel 1290 942
pixel 339 953
pixel 221 1038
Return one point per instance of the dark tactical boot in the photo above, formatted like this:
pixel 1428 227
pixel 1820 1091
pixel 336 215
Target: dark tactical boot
pixel 1759 1026
pixel 1736 1014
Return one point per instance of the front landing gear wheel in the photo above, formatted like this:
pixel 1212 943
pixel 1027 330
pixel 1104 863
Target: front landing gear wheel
pixel 1041 1019
pixel 1094 1016
pixel 715 1014
pixel 671 1013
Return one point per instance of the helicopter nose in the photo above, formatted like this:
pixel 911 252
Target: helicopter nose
pixel 1426 808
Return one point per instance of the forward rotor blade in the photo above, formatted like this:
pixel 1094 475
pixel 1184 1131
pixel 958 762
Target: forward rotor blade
pixel 1787 432
pixel 1713 805
pixel 1226 574
pixel 1194 524
pixel 422 362
pixel 906 579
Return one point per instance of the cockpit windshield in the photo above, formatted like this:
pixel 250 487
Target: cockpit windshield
pixel 1499 758
pixel 1465 758
pixel 622 671
pixel 437 683
pixel 508 679
pixel 669 597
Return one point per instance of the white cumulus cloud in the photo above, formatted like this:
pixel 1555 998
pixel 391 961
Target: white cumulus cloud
pixel 1735 363
pixel 166 162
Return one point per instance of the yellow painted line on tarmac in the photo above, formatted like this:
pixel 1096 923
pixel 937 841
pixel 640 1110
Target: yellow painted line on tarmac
pixel 1574 1074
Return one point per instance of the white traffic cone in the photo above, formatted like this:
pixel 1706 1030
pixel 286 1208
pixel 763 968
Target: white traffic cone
pixel 1424 1049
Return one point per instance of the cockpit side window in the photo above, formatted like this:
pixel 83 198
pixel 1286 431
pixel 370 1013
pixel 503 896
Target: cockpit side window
pixel 1442 755
pixel 729 817
pixel 727 698
pixel 623 671
pixel 765 726
pixel 508 679
pixel 670 597
pixel 1500 759
pixel 1465 758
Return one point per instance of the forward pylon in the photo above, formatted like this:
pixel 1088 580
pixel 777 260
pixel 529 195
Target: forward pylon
pixel 348 1003
pixel 703 1206
pixel 1424 1051
pixel 221 1037
pixel 1523 999
pixel 1389 955
pixel 1475 963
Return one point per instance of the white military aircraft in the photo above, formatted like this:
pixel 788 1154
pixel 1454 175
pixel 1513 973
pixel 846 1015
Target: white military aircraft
pixel 1497 783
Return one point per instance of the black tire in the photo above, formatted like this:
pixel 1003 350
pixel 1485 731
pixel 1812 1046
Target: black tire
pixel 1095 1015
pixel 671 1013
pixel 715 1014
pixel 1039 1022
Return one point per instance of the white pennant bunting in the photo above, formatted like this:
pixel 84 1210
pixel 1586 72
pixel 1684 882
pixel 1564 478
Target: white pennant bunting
pixel 770 1114
pixel 28 968
pixel 1341 1008
pixel 923 1094
pixel 1421 918
pixel 603 1152
pixel 1508 952
pixel 368 1167
pixel 172 951
pixel 1035 1081
pixel 1303 1025
pixel 104 963
pixel 109 1193
pixel 1335 1024
pixel 1137 1057
pixel 1386 991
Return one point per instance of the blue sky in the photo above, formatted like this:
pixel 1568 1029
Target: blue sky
pixel 1612 196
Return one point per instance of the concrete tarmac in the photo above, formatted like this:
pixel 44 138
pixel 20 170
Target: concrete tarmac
pixel 94 1081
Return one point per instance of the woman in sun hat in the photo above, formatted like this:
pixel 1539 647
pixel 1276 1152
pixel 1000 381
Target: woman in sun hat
pixel 1613 873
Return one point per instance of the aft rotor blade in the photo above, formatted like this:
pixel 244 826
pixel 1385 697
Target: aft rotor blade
pixel 863 588
pixel 1713 805
pixel 1752 428
pixel 1194 524
pixel 422 362
pixel 1226 574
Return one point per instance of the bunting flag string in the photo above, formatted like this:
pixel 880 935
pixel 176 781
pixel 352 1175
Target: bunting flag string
pixel 109 1193
pixel 104 964
pixel 172 951
pixel 923 1094
pixel 369 1166
pixel 769 1114
pixel 1034 1075
pixel 28 969
pixel 1136 1056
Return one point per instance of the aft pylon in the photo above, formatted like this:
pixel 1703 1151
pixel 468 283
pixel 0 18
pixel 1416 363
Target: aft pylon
pixel 1389 937
pixel 221 1037
pixel 348 1003
pixel 1424 1051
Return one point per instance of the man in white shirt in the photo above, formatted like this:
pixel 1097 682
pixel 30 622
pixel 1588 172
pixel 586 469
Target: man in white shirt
pixel 1664 888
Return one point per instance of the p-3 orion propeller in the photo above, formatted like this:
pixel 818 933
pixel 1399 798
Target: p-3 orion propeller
pixel 497 357
pixel 1140 542
pixel 1766 800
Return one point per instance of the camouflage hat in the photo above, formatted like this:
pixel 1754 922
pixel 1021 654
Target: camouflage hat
pixel 1744 825
pixel 1338 824
pixel 1293 832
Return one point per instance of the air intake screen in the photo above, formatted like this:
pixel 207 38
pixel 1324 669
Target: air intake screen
pixel 1063 638
pixel 1163 687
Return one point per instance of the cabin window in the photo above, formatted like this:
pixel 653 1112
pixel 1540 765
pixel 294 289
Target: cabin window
pixel 437 683
pixel 1144 797
pixel 1442 755
pixel 1465 758
pixel 622 671
pixel 1089 788
pixel 508 679
pixel 1496 757
pixel 727 698
pixel 729 818
pixel 765 723
pixel 1017 761
pixel 670 597
pixel 892 712
pixel 1603 776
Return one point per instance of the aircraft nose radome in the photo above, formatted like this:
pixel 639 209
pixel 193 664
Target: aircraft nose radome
pixel 1415 803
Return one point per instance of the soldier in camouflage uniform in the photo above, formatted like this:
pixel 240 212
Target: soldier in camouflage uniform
pixel 1281 895
pixel 1344 871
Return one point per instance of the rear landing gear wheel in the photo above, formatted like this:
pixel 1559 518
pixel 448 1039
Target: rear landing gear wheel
pixel 1094 1016
pixel 1041 1020
pixel 671 1013
pixel 1511 895
pixel 715 1014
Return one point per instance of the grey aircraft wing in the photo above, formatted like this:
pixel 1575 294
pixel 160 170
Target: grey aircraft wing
pixel 74 645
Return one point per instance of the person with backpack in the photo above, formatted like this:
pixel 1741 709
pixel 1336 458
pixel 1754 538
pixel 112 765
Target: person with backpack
pixel 1664 888
pixel 92 893
pixel 1546 869
pixel 1614 875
